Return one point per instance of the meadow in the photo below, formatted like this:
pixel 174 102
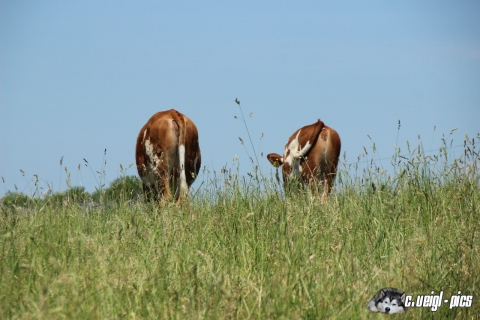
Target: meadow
pixel 242 249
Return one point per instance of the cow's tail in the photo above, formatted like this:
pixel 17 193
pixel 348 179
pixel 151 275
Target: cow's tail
pixel 182 189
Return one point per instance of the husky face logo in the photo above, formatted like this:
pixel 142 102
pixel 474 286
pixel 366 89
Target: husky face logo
pixel 388 300
pixel 387 305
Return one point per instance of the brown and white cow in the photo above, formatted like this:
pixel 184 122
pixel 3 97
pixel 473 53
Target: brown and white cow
pixel 312 154
pixel 168 155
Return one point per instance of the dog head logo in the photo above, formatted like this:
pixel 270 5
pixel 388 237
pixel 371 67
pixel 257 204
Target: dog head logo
pixel 388 300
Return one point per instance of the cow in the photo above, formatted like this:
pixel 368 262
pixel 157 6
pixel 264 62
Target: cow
pixel 310 157
pixel 168 155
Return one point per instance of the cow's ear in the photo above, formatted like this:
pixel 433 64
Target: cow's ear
pixel 275 159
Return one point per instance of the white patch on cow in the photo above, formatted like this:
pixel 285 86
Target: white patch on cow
pixel 293 154
pixel 150 173
pixel 149 149
pixel 144 135
pixel 286 156
pixel 183 178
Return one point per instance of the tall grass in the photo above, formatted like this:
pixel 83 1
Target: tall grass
pixel 240 251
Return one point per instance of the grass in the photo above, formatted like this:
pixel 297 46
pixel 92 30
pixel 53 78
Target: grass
pixel 243 250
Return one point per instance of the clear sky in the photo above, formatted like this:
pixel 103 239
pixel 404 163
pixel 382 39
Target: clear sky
pixel 78 77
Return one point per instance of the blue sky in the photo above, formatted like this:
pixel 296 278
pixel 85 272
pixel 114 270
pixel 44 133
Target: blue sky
pixel 78 77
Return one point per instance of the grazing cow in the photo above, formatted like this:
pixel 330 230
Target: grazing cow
pixel 311 153
pixel 168 155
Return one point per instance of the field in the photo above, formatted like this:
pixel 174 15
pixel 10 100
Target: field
pixel 242 249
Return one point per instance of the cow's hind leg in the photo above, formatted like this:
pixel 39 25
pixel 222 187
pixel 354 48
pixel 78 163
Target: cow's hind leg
pixel 148 192
pixel 163 185
pixel 329 179
pixel 326 189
